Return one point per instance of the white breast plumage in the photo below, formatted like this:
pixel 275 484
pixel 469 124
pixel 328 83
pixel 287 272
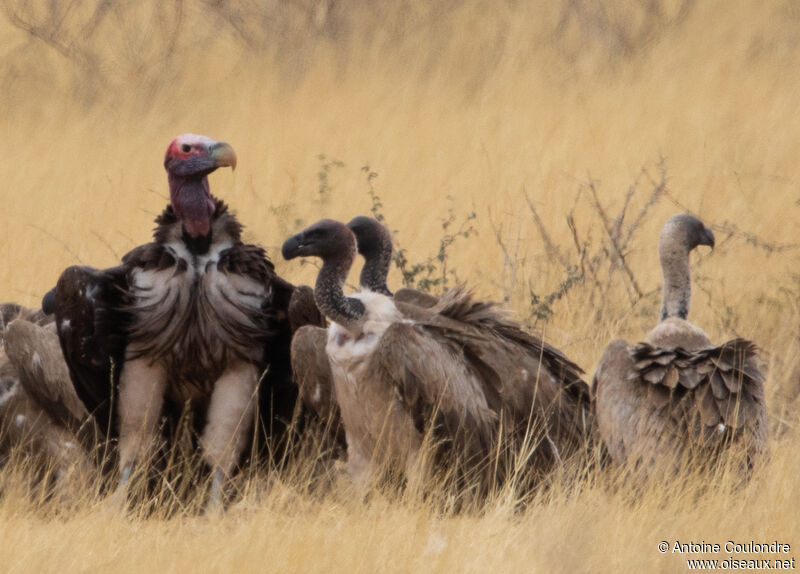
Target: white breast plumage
pixel 345 347
pixel 194 305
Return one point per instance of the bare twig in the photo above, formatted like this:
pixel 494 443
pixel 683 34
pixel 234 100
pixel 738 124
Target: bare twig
pixel 659 188
pixel 511 262
pixel 58 240
pixel 106 243
pixel 552 250
pixel 733 230
pixel 617 252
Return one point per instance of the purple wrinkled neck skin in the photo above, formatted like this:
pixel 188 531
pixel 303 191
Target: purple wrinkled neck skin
pixel 192 202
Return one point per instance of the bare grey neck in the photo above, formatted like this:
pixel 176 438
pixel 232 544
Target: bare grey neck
pixel 329 293
pixel 677 290
pixel 375 244
pixel 376 269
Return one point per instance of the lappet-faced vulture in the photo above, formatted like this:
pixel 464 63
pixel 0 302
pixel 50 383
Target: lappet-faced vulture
pixel 197 317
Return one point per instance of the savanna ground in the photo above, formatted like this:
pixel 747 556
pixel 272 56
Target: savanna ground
pixel 531 150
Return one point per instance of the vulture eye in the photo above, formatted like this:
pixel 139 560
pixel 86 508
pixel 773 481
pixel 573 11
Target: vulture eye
pixel 186 148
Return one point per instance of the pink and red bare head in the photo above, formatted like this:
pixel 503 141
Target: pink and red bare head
pixel 188 161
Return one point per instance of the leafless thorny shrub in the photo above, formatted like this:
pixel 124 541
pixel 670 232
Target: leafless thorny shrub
pixel 596 260
pixel 324 189
pixel 113 46
pixel 287 218
pixel 600 262
pixel 595 268
pixel 109 44
pixel 583 25
pixel 433 273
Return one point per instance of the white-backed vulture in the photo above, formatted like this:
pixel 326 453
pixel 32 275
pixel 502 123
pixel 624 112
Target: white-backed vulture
pixel 39 411
pixel 461 372
pixel 561 394
pixel 677 397
pixel 192 319
pixel 310 363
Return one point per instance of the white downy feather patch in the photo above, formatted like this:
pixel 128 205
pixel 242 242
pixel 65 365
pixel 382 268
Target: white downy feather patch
pixel 345 346
pixel 5 397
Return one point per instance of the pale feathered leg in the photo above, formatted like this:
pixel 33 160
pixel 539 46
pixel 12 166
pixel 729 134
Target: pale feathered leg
pixel 214 504
pixel 141 396
pixel 359 467
pixel 230 417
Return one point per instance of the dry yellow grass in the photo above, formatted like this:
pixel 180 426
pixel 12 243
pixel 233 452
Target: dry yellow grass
pixel 483 103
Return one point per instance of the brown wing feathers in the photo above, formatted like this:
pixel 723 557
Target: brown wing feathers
pixel 35 351
pixel 521 364
pixel 725 380
pixel 91 327
pixel 452 409
pixel 458 304
pixel 303 310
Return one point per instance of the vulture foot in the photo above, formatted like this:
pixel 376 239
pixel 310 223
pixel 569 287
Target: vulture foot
pixel 117 503
pixel 215 506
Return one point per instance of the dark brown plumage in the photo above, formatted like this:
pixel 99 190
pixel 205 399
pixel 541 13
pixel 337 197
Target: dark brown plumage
pixel 406 295
pixel 677 398
pixel 312 371
pixel 195 318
